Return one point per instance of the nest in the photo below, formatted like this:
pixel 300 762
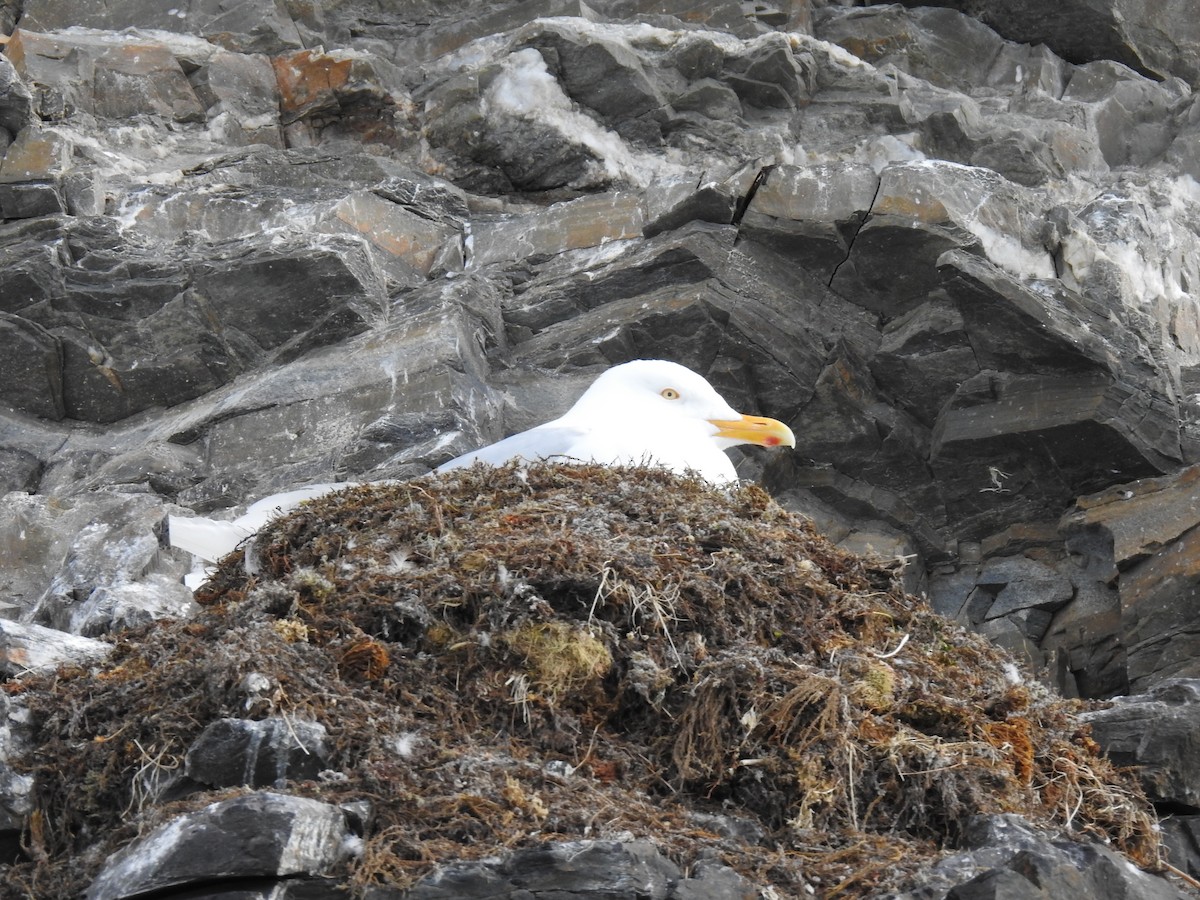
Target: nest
pixel 505 657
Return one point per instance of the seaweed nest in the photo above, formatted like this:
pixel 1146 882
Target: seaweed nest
pixel 505 657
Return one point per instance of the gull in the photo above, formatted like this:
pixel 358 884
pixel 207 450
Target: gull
pixel 649 412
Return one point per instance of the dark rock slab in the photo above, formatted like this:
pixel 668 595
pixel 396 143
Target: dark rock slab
pixel 1088 394
pixel 1158 40
pixel 936 44
pixel 925 209
pixel 20 470
pixel 16 103
pixel 130 75
pixel 139 78
pixel 710 98
pixel 769 75
pixel 923 357
pixel 811 214
pixel 253 836
pixel 1143 517
pixel 1004 857
pixel 997 426
pixel 1019 583
pixel 256 26
pixel 241 92
pixel 1159 599
pixel 601 74
pixel 1157 733
pixel 1151 524
pixel 31 379
pixel 257 753
pixel 31 175
pixel 1129 113
pixel 428 363
pixel 29 252
pixel 1181 835
pixel 576 868
pixel 715 202
pixel 342 293
pixel 1085 645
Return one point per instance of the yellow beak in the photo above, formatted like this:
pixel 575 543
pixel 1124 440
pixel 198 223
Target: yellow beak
pixel 755 430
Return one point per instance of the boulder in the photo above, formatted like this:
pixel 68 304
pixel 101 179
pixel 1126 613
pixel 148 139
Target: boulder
pixel 1156 734
pixel 1158 42
pixel 1151 525
pixel 617 868
pixel 257 753
pixel 1181 835
pixel 33 648
pixel 57 554
pixel 261 835
pixel 257 26
pixel 1003 857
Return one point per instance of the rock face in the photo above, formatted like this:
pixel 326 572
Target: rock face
pixel 251 247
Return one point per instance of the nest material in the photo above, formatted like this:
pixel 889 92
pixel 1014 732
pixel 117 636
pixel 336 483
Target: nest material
pixel 504 657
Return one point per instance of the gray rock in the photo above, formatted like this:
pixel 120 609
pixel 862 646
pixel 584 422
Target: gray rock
pixel 1005 857
pixel 118 606
pixel 1149 525
pixel 34 648
pixel 258 26
pixel 15 805
pixel 32 380
pixel 20 471
pixel 710 98
pixel 769 75
pixel 1181 835
pixel 57 554
pixel 811 215
pixel 241 93
pixel 1020 583
pixel 254 836
pixel 1156 733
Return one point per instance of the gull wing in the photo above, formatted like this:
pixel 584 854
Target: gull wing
pixel 211 539
pixel 549 441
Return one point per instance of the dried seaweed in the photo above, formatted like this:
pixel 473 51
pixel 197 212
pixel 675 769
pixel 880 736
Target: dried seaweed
pixel 504 657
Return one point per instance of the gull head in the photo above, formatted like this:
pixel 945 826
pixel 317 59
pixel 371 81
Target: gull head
pixel 657 395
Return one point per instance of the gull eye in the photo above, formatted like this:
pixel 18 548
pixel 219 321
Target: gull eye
pixel 670 393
